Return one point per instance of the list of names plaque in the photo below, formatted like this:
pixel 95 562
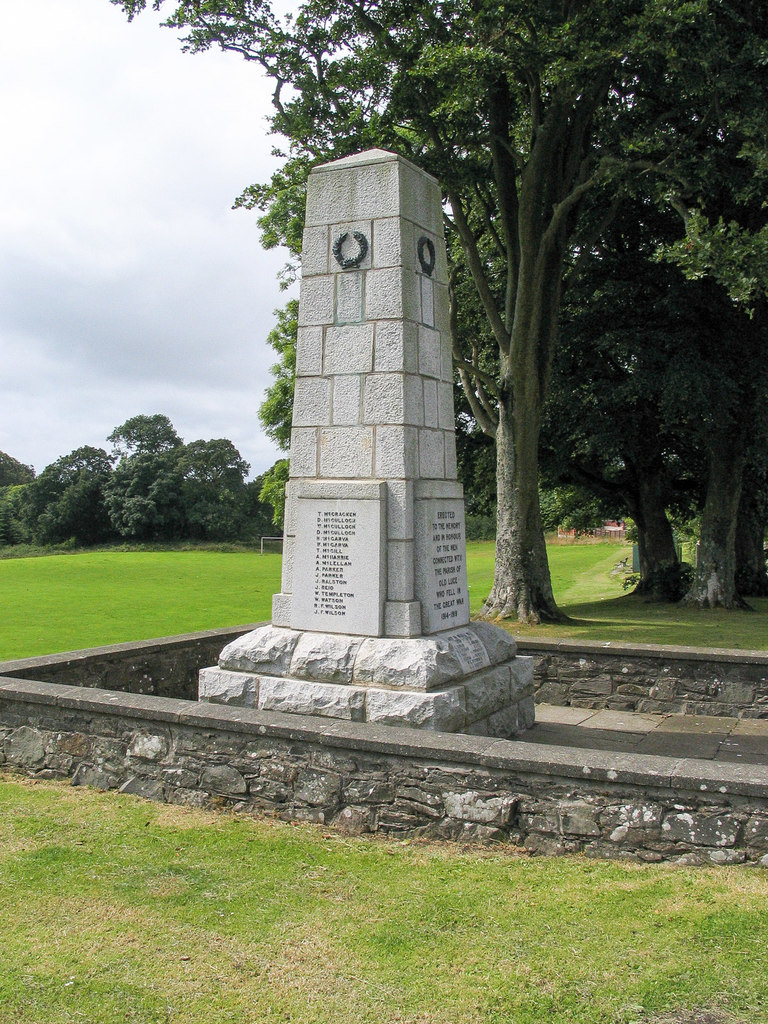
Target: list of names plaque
pixel 338 559
pixel 335 532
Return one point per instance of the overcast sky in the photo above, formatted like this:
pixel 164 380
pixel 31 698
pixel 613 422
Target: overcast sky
pixel 127 283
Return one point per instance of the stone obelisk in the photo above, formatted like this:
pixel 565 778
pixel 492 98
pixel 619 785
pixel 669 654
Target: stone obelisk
pixel 372 621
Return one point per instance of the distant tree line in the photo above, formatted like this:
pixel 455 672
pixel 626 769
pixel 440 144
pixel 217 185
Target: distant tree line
pixel 151 487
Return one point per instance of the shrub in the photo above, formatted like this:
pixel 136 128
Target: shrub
pixel 481 527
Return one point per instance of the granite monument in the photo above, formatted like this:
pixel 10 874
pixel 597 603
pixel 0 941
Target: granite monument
pixel 372 621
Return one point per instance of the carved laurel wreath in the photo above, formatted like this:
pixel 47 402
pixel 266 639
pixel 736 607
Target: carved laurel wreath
pixel 347 262
pixel 427 261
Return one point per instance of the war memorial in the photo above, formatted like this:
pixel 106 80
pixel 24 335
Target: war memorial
pixel 371 702
pixel 372 622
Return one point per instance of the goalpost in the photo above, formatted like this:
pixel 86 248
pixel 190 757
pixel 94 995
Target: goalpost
pixel 273 540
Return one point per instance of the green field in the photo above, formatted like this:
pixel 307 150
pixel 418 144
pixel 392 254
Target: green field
pixel 67 602
pixel 119 911
pixel 601 610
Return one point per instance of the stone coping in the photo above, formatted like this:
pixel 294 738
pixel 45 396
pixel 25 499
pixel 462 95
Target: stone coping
pixel 515 756
pixel 660 651
pixel 524 646
pixel 137 647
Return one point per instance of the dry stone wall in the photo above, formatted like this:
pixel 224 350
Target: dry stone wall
pixel 690 681
pixel 623 677
pixel 359 778
pixel 166 667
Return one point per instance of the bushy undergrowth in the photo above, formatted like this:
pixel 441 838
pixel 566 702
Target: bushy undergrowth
pixel 71 548
pixel 481 527
pixel 666 583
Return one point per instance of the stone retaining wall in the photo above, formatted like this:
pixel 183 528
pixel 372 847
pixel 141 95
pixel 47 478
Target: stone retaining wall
pixel 361 778
pixel 167 667
pixel 637 677
pixel 641 677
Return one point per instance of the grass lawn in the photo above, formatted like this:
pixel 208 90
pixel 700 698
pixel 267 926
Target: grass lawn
pixel 601 610
pixel 119 911
pixel 66 602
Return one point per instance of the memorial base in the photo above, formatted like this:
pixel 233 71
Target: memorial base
pixel 464 680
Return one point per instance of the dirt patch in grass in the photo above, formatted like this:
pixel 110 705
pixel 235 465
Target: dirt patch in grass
pixel 699 1017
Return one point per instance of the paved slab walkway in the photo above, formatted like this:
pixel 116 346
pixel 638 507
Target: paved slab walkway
pixel 743 740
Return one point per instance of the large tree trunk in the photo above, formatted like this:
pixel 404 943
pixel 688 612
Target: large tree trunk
pixel 751 522
pixel 533 226
pixel 714 585
pixel 522 588
pixel 655 540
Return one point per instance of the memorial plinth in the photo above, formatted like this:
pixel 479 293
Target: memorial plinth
pixel 372 620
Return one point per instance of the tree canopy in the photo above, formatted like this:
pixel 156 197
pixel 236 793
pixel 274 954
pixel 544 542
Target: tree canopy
pixel 153 487
pixel 14 472
pixel 525 112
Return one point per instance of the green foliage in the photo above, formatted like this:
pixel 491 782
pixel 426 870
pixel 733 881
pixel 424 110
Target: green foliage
pixel 14 472
pixel 480 527
pixel 66 502
pixel 276 411
pixel 144 435
pixel 160 489
pixel 213 489
pixel 475 461
pixel 258 513
pixel 13 526
pixel 273 490
pixel 143 496
pixel 735 257
pixel 572 508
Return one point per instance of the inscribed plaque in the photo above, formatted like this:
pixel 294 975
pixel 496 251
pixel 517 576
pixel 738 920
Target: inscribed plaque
pixel 338 585
pixel 441 568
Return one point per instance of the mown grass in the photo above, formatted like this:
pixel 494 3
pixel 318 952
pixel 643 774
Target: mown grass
pixel 67 602
pixel 589 591
pixel 117 911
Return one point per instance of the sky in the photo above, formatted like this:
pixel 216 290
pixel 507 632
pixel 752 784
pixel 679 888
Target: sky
pixel 128 285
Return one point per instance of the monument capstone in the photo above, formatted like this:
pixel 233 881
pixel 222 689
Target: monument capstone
pixel 372 621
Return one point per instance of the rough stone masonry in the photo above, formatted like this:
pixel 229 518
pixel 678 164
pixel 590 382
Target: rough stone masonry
pixel 372 621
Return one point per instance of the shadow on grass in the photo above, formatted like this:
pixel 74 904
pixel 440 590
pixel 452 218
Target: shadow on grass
pixel 633 618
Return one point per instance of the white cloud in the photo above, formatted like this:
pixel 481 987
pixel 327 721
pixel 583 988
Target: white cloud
pixel 127 282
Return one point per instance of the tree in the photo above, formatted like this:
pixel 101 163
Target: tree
pixel 258 512
pixel 712 169
pixel 574 508
pixel 751 527
pixel 14 472
pixel 624 410
pixel 145 435
pixel 66 502
pixel 213 489
pixel 13 528
pixel 273 490
pixel 276 411
pixel 519 109
pixel 14 476
pixel 144 494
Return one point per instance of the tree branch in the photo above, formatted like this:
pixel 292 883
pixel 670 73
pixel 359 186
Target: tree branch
pixel 486 379
pixel 477 271
pixel 483 420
